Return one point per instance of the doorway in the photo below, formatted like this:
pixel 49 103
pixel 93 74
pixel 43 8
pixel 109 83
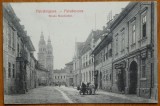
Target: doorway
pixel 133 78
pixel 70 81
pixel 121 80
pixel 100 85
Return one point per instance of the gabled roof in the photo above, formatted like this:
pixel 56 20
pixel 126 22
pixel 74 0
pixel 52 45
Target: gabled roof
pixel 10 15
pixel 107 39
pixel 29 44
pixel 95 35
pixel 40 67
pixel 79 47
pixel 33 57
pixel 70 63
pixel 59 71
pixel 113 24
pixel 14 21
pixel 121 16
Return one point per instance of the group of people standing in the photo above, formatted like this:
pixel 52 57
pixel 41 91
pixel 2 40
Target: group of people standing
pixel 87 88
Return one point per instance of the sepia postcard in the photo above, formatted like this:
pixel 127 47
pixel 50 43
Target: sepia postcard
pixel 80 52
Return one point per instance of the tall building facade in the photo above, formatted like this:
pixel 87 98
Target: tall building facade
pixel 125 60
pixel 83 61
pixel 77 63
pixel 103 61
pixel 134 46
pixel 69 73
pixel 132 35
pixel 18 54
pixel 59 77
pixel 45 55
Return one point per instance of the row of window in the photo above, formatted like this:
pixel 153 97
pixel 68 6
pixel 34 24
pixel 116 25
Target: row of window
pixel 102 56
pixel 11 37
pixel 107 77
pixel 42 49
pixel 87 60
pixel 88 76
pixel 144 21
pixel 59 77
pixel 87 63
pixel 11 70
pixel 85 57
pixel 49 52
pixel 133 33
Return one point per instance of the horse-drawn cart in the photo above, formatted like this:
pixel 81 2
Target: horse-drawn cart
pixel 89 90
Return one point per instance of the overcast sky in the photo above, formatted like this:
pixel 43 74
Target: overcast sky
pixel 64 31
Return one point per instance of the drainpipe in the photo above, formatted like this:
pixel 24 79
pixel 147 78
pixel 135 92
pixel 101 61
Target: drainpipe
pixel 94 70
pixel 154 51
pixel 152 14
pixel 112 64
pixel 127 73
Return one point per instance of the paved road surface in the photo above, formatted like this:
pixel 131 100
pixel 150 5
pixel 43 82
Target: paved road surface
pixel 44 95
pixel 103 97
pixel 51 95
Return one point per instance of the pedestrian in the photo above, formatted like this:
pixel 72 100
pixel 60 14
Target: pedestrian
pixel 73 85
pixel 83 88
pixel 92 87
pixel 88 88
pixel 88 84
pixel 96 86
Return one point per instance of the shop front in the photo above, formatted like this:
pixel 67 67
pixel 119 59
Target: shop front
pixel 120 69
pixel 126 75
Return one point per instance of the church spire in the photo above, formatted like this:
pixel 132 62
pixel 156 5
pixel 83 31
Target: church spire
pixel 42 37
pixel 49 40
pixel 42 51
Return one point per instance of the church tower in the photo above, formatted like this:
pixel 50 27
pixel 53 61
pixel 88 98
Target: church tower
pixel 42 51
pixel 49 55
pixel 49 58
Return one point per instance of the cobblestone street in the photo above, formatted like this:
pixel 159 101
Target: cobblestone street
pixel 51 95
pixel 36 96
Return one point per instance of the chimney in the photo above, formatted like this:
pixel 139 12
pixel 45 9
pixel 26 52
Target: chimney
pixel 22 26
pixel 122 9
pixel 115 16
pixel 25 32
pixel 109 22
pixel 103 27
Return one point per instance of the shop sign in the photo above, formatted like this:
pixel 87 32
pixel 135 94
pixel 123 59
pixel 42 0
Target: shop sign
pixel 120 65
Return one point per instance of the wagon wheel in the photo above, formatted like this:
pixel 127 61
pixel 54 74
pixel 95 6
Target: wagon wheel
pixel 90 92
pixel 80 92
